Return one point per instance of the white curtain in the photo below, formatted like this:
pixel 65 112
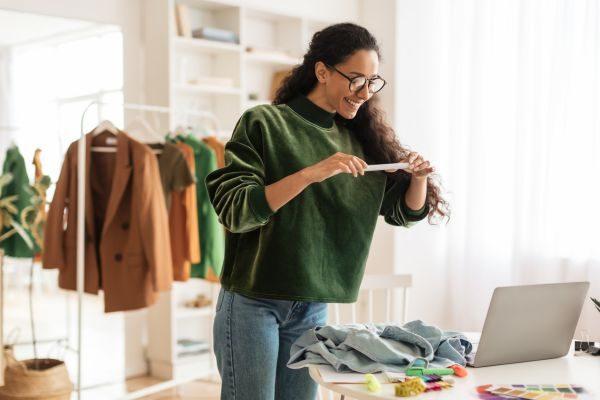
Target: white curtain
pixel 504 96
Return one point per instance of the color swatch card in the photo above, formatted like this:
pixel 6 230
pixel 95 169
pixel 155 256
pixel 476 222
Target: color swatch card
pixel 533 392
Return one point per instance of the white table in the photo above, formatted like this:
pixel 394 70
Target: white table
pixel 581 369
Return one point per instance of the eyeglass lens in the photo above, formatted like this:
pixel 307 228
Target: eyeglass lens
pixel 358 83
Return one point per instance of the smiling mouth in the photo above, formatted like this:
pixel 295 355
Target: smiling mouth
pixel 353 103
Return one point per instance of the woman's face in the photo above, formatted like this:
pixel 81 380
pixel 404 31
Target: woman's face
pixel 337 87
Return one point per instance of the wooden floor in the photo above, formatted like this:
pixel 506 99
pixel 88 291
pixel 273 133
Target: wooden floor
pixel 196 390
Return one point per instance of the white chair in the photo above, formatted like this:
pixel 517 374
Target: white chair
pixel 395 290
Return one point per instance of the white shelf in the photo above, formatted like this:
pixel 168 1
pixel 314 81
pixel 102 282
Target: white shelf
pixel 191 312
pixel 273 59
pixel 206 89
pixel 206 46
pixel 202 358
pixel 172 62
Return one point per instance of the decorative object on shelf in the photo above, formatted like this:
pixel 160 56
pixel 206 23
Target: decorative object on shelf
pixel 216 34
pixel 277 80
pixel 182 16
pixel 211 80
pixel 271 56
pixel 267 52
pixel 199 302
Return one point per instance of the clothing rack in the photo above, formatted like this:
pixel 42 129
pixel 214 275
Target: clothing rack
pixel 80 260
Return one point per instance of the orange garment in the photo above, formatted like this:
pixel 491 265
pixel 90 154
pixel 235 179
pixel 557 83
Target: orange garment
pixel 183 224
pixel 211 276
pixel 218 147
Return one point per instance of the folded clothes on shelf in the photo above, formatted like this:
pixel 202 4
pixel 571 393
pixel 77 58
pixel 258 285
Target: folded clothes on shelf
pixel 221 35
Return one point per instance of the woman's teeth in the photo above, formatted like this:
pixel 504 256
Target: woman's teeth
pixel 352 103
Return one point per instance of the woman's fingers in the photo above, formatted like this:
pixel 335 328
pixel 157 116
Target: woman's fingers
pixel 357 164
pixel 412 156
pixel 349 164
pixel 416 162
pixel 422 166
pixel 352 167
pixel 344 167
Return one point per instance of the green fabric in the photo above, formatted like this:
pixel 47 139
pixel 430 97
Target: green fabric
pixel 212 239
pixel 14 164
pixel 315 247
pixel 175 174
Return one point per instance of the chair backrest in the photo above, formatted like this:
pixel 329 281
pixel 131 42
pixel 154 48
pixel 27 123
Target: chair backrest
pixel 391 285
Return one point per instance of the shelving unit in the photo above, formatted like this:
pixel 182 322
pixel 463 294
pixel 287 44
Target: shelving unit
pixel 277 41
pixel 205 89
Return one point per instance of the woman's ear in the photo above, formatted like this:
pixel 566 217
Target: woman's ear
pixel 321 71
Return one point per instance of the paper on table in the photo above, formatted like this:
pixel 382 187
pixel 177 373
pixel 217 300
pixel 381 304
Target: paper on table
pixel 330 375
pixel 381 167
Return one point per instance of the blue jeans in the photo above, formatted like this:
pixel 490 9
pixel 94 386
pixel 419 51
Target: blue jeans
pixel 252 340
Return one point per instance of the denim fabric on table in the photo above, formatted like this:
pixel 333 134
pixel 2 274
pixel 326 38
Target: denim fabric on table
pixel 369 348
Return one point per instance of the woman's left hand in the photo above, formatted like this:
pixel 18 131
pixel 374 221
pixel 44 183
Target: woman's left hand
pixel 419 167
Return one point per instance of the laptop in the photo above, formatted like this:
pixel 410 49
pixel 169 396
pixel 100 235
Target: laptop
pixel 529 323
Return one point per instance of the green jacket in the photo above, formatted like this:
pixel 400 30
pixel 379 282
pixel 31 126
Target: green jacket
pixel 14 164
pixel 212 239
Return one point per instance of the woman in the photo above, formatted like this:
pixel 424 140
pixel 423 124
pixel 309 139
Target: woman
pixel 300 211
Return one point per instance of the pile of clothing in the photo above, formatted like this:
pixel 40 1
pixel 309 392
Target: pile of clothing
pixel 371 348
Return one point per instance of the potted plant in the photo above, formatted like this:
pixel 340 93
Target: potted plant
pixel 37 378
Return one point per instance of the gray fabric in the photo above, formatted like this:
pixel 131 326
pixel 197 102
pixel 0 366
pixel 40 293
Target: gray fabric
pixel 373 348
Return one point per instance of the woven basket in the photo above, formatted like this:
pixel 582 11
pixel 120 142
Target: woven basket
pixel 39 379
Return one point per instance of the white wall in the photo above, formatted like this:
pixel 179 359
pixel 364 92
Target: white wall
pixel 401 31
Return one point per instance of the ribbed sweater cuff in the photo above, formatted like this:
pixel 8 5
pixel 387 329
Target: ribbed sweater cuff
pixel 258 203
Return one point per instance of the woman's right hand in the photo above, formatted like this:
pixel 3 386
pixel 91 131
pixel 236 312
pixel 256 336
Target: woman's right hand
pixel 333 165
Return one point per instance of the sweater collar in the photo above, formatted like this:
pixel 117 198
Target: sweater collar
pixel 312 112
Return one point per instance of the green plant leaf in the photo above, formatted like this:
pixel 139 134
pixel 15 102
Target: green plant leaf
pixel 7 234
pixel 24 235
pixel 596 303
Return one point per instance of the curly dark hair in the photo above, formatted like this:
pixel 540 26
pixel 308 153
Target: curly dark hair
pixel 332 46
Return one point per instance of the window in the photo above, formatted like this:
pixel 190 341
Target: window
pixel 53 84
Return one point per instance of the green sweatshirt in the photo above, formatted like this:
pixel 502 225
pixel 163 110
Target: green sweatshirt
pixel 315 247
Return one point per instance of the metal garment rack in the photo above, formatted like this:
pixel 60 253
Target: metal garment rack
pixel 81 181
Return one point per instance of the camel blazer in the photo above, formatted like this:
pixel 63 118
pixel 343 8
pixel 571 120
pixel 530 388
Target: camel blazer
pixel 127 243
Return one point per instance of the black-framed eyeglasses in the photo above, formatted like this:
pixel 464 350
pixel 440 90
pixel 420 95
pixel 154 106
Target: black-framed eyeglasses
pixel 358 83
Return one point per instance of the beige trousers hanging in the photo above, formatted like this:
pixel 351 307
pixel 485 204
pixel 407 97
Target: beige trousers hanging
pixel 41 379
